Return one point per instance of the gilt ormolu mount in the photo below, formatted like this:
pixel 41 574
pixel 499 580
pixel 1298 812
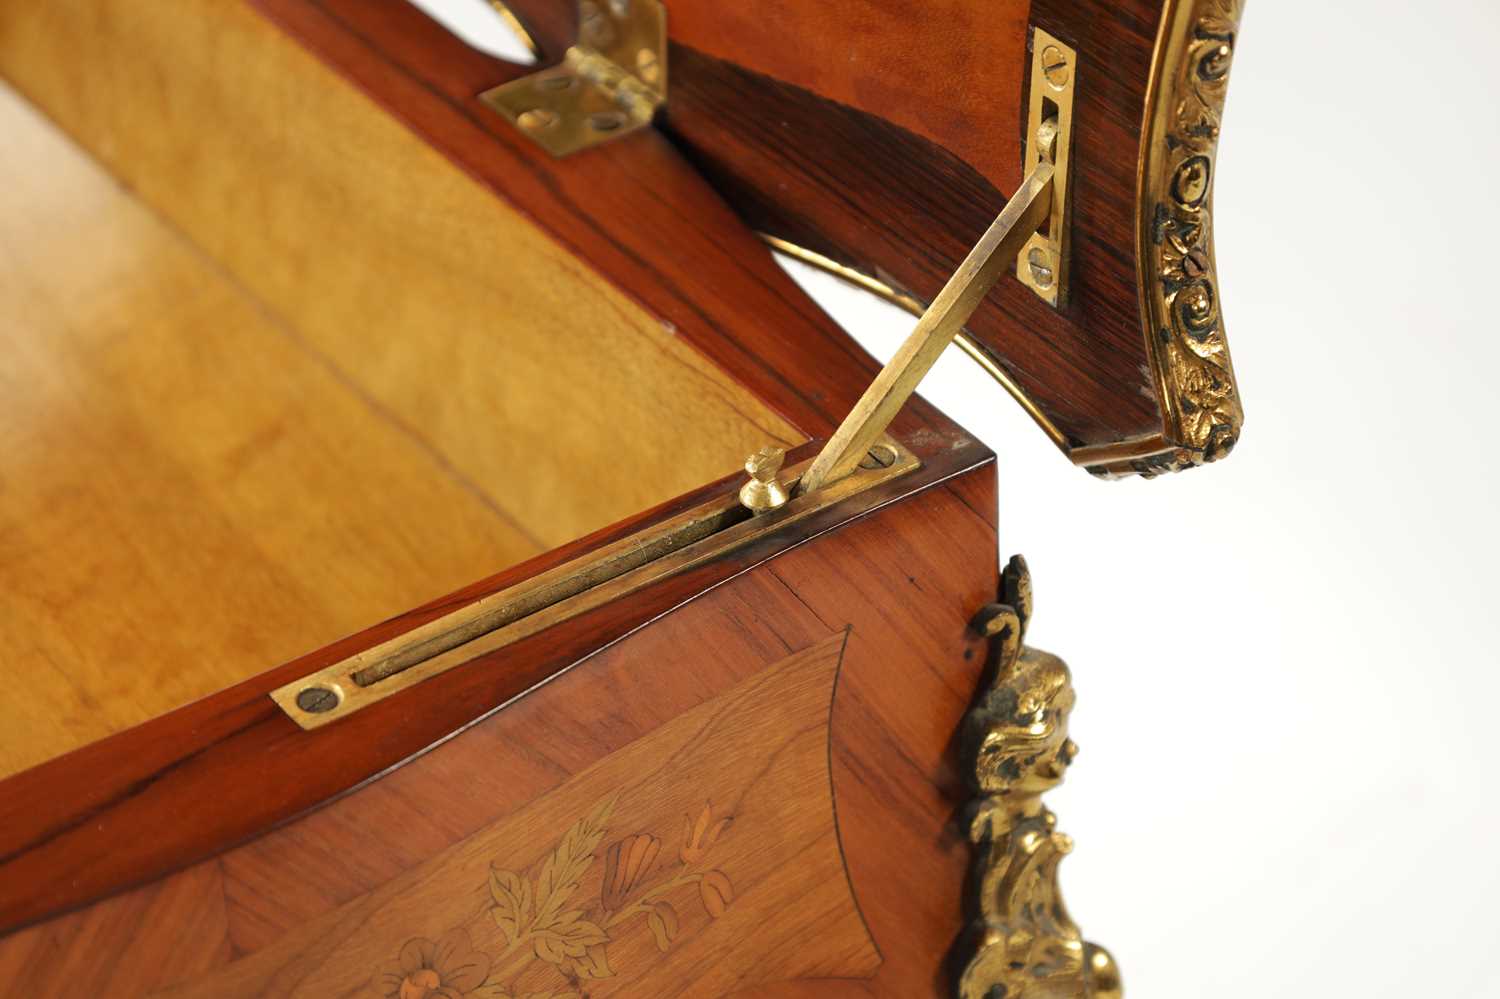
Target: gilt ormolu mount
pixel 438 347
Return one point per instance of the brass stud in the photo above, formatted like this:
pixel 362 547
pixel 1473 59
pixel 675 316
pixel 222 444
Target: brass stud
pixel 606 121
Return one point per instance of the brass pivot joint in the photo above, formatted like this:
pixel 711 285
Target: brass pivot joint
pixel 764 492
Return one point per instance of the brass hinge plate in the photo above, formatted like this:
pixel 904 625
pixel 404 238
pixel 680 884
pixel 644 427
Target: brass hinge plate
pixel 609 84
pixel 1042 264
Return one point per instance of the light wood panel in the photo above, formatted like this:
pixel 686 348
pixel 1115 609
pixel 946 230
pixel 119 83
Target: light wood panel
pixel 336 378
pixel 559 397
pixel 187 494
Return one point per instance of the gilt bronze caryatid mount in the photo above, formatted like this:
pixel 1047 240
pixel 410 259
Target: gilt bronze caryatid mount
pixel 1024 945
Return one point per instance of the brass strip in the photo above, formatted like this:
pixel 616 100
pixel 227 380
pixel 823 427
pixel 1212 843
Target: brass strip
pixel 902 300
pixel 617 570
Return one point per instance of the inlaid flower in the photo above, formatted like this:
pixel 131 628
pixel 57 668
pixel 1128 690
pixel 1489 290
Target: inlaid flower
pixel 701 835
pixel 624 865
pixel 446 968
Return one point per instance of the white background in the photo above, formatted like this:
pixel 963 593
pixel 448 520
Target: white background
pixel 1286 662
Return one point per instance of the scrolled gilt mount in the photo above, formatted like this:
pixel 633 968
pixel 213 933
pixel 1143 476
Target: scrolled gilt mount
pixel 1022 942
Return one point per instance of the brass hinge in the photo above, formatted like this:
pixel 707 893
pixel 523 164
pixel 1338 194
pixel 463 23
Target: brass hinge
pixel 609 84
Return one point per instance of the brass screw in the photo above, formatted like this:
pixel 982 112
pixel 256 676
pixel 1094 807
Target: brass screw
pixel 879 456
pixel 316 700
pixel 647 67
pixel 1055 66
pixel 1040 264
pixel 537 119
pixel 764 491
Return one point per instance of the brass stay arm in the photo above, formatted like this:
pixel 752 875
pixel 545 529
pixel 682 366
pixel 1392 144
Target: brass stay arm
pixel 994 254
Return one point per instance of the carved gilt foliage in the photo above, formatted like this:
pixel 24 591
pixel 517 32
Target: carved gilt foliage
pixel 1180 280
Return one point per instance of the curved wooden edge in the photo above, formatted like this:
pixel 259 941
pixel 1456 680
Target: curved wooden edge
pixel 238 765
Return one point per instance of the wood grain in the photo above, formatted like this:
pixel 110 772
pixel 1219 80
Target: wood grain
pixel 158 427
pixel 725 822
pixel 887 137
pixel 915 66
pixel 358 875
pixel 561 400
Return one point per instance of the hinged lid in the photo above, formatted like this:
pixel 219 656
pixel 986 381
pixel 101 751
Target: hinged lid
pixel 879 142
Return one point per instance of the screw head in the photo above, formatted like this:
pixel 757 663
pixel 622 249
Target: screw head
pixel 1039 263
pixel 1055 67
pixel 537 119
pixel 879 456
pixel 316 700
pixel 647 66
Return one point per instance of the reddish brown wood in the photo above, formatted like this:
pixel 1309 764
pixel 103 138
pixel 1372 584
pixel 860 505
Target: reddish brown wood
pixel 882 178
pixel 895 154
pixel 902 582
pixel 236 765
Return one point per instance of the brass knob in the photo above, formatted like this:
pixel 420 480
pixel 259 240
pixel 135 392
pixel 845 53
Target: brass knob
pixel 764 491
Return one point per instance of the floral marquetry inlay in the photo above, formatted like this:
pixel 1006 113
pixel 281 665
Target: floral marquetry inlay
pixel 555 937
pixel 660 868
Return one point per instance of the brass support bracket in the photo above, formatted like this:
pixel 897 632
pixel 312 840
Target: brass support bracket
pixel 990 258
pixel 1042 264
pixel 1015 235
pixel 610 83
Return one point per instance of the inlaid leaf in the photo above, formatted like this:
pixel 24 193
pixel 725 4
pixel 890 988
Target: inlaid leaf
pixel 594 963
pixel 663 922
pixel 512 895
pixel 716 892
pixel 568 862
pixel 567 941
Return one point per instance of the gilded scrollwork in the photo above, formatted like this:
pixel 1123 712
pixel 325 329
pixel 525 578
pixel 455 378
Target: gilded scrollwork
pixel 1180 301
pixel 1024 944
